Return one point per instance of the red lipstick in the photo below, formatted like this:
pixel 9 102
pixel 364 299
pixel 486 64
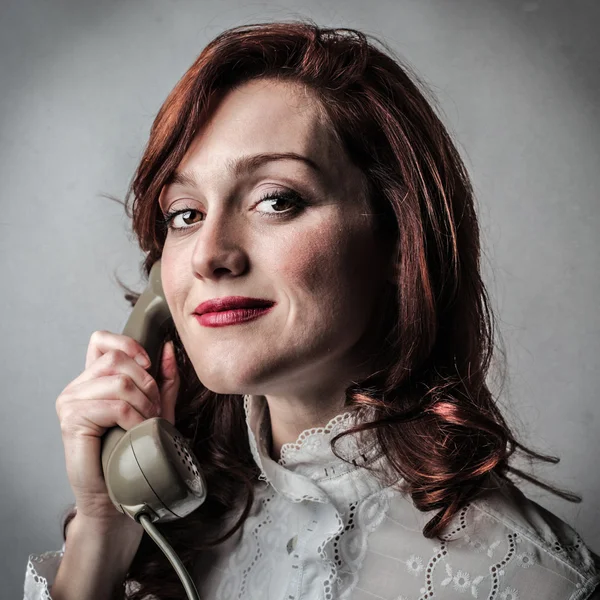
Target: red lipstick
pixel 231 310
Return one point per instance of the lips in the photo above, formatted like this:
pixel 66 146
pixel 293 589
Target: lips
pixel 231 303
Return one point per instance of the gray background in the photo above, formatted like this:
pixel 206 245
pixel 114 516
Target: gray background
pixel 80 84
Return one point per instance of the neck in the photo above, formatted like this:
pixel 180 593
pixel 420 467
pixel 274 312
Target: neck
pixel 311 406
pixel 291 416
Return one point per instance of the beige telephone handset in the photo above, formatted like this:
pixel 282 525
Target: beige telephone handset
pixel 150 472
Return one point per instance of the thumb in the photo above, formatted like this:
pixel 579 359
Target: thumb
pixel 170 380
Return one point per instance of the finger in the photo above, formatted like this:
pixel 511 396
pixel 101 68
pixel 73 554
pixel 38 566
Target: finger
pixel 170 381
pixel 116 362
pixel 98 415
pixel 111 387
pixel 102 341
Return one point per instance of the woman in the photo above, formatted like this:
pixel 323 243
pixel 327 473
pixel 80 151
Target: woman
pixel 350 444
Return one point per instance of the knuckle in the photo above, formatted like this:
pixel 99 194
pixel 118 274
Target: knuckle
pixel 123 408
pixel 124 382
pixel 66 420
pixel 113 358
pixel 97 336
pixel 61 402
pixel 65 389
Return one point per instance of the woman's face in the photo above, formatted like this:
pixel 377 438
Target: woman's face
pixel 319 262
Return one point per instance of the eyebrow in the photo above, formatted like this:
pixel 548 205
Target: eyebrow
pixel 244 165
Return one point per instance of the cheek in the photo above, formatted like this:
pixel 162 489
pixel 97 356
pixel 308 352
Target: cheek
pixel 327 265
pixel 310 262
pixel 172 279
pixel 167 273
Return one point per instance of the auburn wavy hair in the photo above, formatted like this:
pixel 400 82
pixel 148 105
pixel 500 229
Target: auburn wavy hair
pixel 436 419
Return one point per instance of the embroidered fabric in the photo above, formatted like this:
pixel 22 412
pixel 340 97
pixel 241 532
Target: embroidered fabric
pixel 321 528
pixel 336 533
pixel 309 462
pixel 311 441
pixel 335 542
pixel 368 531
pixel 40 574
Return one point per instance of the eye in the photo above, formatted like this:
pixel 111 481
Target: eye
pixel 166 222
pixel 289 197
pixel 285 196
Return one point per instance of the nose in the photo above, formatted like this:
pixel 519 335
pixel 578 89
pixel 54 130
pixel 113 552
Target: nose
pixel 218 249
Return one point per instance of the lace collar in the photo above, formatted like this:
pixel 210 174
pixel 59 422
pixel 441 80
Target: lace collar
pixel 308 469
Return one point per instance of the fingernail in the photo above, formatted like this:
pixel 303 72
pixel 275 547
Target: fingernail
pixel 141 360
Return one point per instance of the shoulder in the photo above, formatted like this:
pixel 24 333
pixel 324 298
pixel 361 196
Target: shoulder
pixel 526 545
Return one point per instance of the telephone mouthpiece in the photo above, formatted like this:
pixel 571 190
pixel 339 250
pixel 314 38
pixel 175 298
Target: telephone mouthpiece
pixel 152 470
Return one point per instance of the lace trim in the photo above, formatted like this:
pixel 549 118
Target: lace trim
pixel 38 587
pixel 304 439
pixel 307 466
pixel 40 583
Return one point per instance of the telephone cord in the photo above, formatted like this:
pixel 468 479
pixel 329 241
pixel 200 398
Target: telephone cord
pixel 186 580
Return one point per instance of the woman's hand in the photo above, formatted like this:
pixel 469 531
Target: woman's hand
pixel 112 390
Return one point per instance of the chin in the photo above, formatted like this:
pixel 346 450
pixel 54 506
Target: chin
pixel 224 383
pixel 229 375
pixel 224 389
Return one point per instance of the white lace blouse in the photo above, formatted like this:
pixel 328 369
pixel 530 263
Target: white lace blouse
pixel 322 529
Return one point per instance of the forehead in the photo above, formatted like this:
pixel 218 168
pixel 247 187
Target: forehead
pixel 265 116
